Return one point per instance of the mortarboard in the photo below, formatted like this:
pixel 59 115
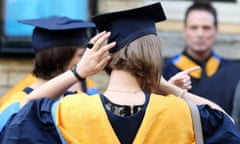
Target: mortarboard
pixel 126 26
pixel 58 31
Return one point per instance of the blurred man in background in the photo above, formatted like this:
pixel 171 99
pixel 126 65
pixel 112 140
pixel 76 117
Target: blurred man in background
pixel 200 32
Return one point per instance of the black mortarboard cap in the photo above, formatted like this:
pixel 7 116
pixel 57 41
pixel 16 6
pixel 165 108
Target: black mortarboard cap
pixel 126 26
pixel 58 31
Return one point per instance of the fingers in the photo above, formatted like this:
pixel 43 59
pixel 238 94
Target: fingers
pixel 94 59
pixel 98 50
pixel 181 80
pixel 91 43
pixel 187 83
pixel 101 50
pixel 192 69
pixel 106 48
pixel 184 85
pixel 96 37
pixel 99 42
pixel 102 63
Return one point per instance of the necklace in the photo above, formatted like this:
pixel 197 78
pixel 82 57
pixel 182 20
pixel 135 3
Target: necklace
pixel 122 91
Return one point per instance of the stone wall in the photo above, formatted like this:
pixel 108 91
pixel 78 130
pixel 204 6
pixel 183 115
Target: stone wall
pixel 12 70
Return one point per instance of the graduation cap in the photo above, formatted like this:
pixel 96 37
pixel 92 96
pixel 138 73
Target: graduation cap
pixel 58 31
pixel 126 26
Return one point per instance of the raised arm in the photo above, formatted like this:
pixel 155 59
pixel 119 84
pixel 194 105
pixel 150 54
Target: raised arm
pixel 170 88
pixel 93 61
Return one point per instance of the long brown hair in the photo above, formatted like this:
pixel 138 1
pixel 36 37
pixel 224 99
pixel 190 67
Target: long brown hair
pixel 142 58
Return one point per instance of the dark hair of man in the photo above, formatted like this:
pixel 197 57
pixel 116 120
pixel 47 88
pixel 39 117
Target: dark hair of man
pixel 204 6
pixel 50 62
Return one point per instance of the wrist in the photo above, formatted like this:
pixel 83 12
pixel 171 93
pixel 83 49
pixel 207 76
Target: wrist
pixel 76 74
pixel 169 88
pixel 182 93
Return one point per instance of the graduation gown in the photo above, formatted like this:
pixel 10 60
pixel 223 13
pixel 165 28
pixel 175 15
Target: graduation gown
pixel 161 120
pixel 13 108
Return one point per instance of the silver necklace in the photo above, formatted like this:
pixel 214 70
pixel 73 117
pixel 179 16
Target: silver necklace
pixel 122 91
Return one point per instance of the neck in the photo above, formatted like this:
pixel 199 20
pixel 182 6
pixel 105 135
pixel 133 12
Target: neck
pixel 121 80
pixel 38 83
pixel 124 89
pixel 200 56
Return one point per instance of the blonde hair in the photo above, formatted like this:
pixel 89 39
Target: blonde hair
pixel 142 58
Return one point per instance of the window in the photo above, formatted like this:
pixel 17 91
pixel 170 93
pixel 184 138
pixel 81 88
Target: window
pixel 16 37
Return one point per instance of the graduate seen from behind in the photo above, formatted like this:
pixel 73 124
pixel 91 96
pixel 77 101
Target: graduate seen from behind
pixel 59 43
pixel 128 111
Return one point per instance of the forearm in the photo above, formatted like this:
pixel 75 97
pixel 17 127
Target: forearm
pixel 172 89
pixel 53 88
pixel 92 62
pixel 201 100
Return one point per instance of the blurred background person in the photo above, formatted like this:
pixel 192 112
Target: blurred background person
pixel 200 32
